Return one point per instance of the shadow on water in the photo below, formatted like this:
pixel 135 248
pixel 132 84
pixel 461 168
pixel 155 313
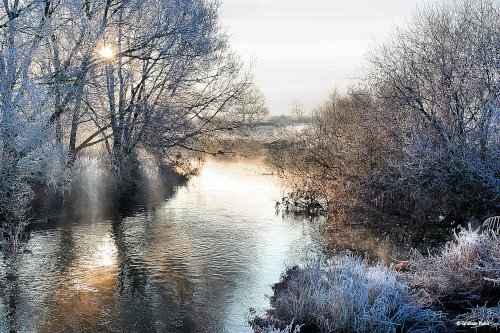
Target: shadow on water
pixel 386 243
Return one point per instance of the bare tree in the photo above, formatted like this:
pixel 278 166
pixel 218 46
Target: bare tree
pixel 437 85
pixel 250 107
pixel 297 109
pixel 419 138
pixel 168 81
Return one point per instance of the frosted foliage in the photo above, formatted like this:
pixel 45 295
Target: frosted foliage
pixel 346 295
pixel 466 269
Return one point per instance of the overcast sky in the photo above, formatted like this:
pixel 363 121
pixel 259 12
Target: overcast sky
pixel 302 49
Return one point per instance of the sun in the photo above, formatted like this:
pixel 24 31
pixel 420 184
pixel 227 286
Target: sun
pixel 107 52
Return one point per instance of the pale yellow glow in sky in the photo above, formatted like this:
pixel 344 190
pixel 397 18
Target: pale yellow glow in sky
pixel 107 52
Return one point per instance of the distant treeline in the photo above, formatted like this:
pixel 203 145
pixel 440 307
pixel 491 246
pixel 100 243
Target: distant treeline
pixel 285 120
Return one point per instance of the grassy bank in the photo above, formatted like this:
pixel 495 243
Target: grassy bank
pixel 455 290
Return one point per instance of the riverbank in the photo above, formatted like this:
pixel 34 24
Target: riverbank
pixel 455 290
pixel 98 189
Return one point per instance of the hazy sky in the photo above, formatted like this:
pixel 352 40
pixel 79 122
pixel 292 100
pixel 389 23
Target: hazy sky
pixel 302 49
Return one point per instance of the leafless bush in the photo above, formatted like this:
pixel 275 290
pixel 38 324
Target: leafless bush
pixel 419 138
pixel 346 295
pixel 331 159
pixel 301 200
pixel 466 270
pixel 436 97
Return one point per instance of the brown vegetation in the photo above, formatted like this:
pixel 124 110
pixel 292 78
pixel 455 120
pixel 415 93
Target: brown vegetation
pixel 418 139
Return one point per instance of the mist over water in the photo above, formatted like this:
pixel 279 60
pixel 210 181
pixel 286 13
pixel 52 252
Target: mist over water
pixel 193 263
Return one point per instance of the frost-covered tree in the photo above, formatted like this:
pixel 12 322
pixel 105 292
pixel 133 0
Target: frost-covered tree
pixel 23 129
pixel 437 88
pixel 117 76
pixel 419 138
pixel 168 81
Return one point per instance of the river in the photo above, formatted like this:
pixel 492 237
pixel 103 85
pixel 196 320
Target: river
pixel 195 262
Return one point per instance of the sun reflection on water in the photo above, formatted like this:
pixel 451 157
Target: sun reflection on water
pixel 106 253
pixel 82 292
pixel 218 241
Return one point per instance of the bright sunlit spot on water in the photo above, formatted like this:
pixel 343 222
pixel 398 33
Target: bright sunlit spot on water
pixel 231 187
pixel 234 177
pixel 105 253
pixel 211 177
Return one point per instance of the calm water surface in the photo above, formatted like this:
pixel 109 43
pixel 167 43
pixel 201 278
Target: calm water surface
pixel 193 263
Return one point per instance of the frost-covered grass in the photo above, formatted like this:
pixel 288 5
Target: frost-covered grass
pixel 464 271
pixel 347 295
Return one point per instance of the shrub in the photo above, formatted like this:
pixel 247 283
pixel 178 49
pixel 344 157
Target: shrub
pixel 346 295
pixel 466 270
pixel 272 329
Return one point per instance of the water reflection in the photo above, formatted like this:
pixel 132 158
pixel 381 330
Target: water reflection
pixel 194 263
pixel 385 242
